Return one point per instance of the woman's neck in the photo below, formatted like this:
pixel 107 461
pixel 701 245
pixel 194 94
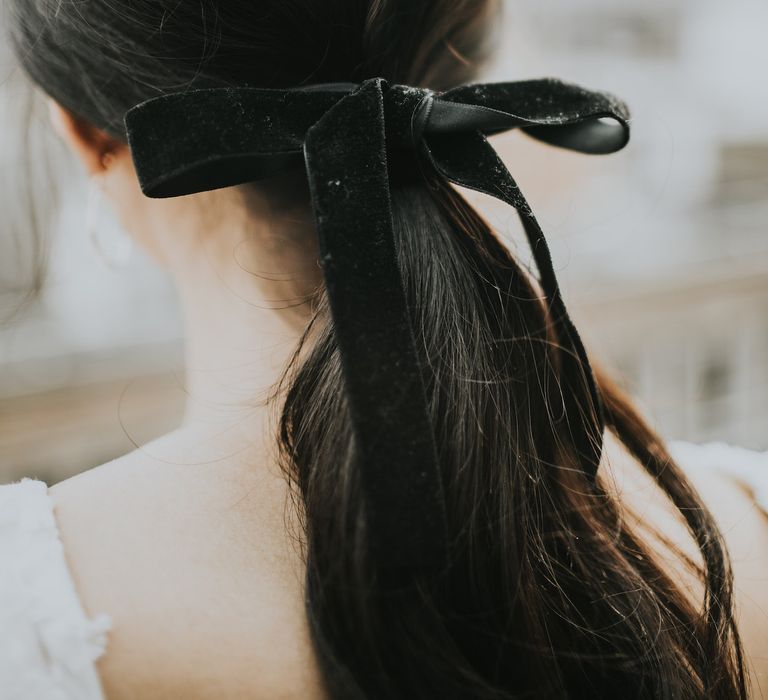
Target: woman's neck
pixel 235 351
pixel 243 286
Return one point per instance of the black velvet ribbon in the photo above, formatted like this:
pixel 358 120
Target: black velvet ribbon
pixel 201 140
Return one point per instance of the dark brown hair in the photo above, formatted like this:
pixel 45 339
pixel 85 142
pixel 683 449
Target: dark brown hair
pixel 553 592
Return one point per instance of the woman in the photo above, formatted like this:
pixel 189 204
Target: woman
pixel 250 553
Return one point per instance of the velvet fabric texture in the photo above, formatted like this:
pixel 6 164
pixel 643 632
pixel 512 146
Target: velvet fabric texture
pixel 201 140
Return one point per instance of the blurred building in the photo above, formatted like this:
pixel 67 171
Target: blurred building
pixel 661 249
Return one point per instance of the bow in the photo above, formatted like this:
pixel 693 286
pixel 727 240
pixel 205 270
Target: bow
pixel 201 140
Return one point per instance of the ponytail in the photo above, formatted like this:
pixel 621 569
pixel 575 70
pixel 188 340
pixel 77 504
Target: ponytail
pixel 550 591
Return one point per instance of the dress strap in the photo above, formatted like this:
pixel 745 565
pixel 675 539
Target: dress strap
pixel 48 646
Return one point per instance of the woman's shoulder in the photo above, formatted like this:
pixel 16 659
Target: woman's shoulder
pixel 195 567
pixel 710 469
pixel 733 482
pixel 48 645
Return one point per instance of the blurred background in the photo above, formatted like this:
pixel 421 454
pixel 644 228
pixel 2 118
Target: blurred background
pixel 662 250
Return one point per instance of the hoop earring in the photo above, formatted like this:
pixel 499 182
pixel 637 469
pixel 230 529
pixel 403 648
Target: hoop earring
pixel 114 251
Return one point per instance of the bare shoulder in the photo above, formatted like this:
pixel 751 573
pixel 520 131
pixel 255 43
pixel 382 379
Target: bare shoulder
pixel 197 568
pixel 744 527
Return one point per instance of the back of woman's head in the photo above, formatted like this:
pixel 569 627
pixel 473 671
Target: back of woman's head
pixel 551 591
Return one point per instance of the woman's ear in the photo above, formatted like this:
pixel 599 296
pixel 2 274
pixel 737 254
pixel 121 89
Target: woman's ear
pixel 92 146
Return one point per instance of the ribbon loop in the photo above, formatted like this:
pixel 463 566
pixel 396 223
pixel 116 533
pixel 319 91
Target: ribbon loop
pixel 200 140
pixel 550 110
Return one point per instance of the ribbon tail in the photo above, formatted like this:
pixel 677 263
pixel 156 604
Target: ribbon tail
pixel 346 162
pixel 470 161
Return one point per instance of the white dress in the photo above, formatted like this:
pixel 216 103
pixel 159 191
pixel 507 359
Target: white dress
pixel 49 646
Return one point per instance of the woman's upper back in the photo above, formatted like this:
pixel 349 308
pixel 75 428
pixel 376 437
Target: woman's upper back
pixel 732 483
pixel 201 577
pixel 198 572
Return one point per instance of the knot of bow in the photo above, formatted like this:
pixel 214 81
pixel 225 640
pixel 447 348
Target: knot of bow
pixel 199 140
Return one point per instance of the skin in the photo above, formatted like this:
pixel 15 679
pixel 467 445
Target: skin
pixel 191 543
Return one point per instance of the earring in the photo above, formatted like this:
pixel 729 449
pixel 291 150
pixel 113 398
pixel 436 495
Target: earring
pixel 114 250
